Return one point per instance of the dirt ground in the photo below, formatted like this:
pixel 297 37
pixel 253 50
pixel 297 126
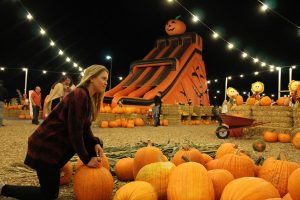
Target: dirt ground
pixel 13 141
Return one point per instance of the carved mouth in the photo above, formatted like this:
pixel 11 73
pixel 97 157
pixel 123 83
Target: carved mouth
pixel 172 29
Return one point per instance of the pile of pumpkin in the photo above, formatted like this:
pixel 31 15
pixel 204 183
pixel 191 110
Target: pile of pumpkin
pixel 124 110
pixel 271 136
pixel 198 122
pixel 128 123
pixel 22 116
pixel 190 174
pixel 13 107
pixel 267 101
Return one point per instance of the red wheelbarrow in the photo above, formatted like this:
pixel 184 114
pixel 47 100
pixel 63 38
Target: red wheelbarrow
pixel 233 126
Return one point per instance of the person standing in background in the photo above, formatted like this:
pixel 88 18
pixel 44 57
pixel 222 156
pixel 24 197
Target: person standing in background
pixel 157 108
pixel 36 104
pixel 3 97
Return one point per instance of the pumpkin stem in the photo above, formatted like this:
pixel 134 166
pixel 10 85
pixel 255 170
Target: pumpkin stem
pixel 149 143
pixel 281 156
pixel 185 147
pixel 178 17
pixel 260 160
pixel 186 159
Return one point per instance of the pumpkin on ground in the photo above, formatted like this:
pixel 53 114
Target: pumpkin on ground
pixel 283 101
pixel 296 140
pixel 213 164
pixel 136 190
pixel 21 116
pixel 220 178
pixel 146 155
pixel 124 169
pixel 284 137
pixel 175 27
pixel 93 183
pixel 104 124
pixel 190 180
pixel 293 184
pixel 193 155
pixel 249 188
pixel 251 101
pixel 277 172
pixel 259 145
pixel 157 174
pixel 66 175
pixel 237 164
pixel 270 136
pixel 226 148
pixel 206 158
pixel 239 100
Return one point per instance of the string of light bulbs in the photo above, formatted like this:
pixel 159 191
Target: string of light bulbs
pixel 264 7
pixel 230 45
pixel 52 42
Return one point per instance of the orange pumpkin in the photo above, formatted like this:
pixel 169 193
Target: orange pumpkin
pixel 130 124
pixel 190 180
pixel 146 155
pixel 296 140
pixel 238 165
pixel 213 164
pixel 124 169
pixel 206 158
pixel 283 101
pixel 249 188
pixel 293 184
pixel 193 155
pixel 66 175
pixel 28 117
pixel 220 178
pixel 239 100
pixel 107 109
pixel 157 174
pixel 270 136
pixel 137 190
pixel 93 183
pixel 175 27
pixel 112 124
pixel 139 122
pixel 284 137
pixel 251 101
pixel 104 124
pixel 277 172
pixel 22 116
pixel 266 101
pixel 165 122
pixel 226 148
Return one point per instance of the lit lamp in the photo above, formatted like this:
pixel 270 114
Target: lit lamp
pixel 108 57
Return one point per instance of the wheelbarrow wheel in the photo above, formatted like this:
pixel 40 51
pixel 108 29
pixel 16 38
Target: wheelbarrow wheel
pixel 222 132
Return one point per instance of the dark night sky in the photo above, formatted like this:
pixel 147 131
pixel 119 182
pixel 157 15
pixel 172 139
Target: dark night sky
pixel 88 30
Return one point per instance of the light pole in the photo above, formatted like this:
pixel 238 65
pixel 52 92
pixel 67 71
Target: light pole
pixel 226 83
pixel 279 80
pixel 291 73
pixel 110 71
pixel 26 75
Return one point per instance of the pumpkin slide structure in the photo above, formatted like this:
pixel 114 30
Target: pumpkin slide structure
pixel 174 66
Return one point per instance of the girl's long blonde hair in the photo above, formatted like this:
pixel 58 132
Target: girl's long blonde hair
pixel 97 99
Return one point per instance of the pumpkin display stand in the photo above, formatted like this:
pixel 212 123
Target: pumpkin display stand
pixel 233 126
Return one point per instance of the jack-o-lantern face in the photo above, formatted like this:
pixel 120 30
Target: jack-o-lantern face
pixel 175 27
pixel 231 92
pixel 257 87
pixel 294 85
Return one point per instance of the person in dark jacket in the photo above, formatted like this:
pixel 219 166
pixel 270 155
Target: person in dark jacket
pixel 3 97
pixel 157 108
pixel 66 131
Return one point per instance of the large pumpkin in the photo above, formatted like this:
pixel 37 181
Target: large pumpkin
pixel 157 174
pixel 137 190
pixel 249 188
pixel 270 136
pixel 93 184
pixel 220 178
pixel 277 172
pixel 175 27
pixel 190 181
pixel 238 165
pixel 66 173
pixel 283 101
pixel 193 155
pixel 296 140
pixel 251 101
pixel 124 169
pixel 266 101
pixel 146 155
pixel 207 158
pixel 284 137
pixel 226 148
pixel 293 184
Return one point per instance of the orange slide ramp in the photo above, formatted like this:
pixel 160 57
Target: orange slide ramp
pixel 174 67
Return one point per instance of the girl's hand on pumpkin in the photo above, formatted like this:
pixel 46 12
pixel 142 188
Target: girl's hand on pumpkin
pixel 94 162
pixel 99 151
